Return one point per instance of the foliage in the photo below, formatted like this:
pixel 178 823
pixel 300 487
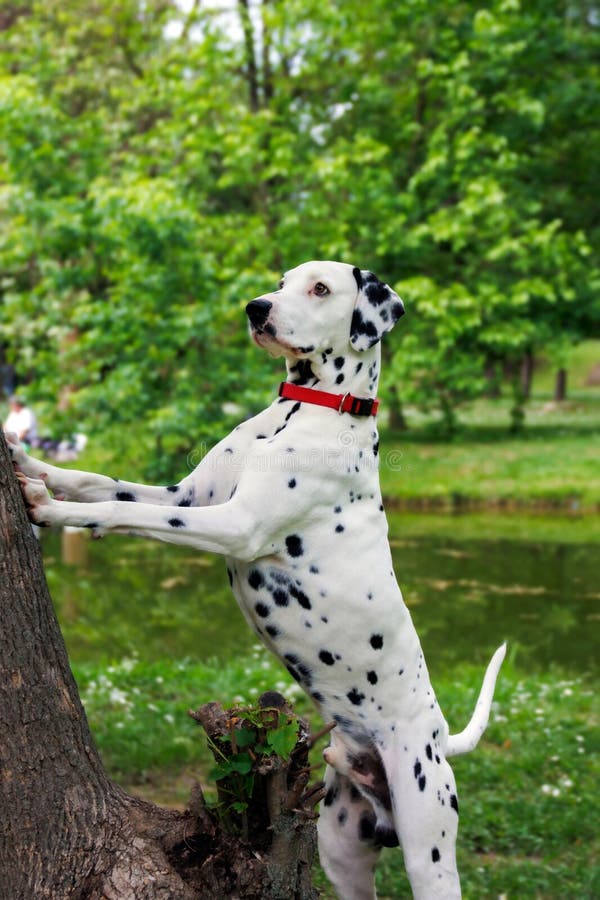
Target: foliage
pixel 529 821
pixel 161 167
pixel 257 738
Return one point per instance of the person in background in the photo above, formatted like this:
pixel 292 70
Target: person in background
pixel 21 421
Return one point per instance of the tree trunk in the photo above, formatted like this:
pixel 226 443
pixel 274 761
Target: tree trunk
pixel 527 367
pixel 66 830
pixel 493 378
pixel 397 419
pixel 560 386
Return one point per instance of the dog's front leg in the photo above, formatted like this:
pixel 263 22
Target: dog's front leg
pixel 229 528
pixel 74 484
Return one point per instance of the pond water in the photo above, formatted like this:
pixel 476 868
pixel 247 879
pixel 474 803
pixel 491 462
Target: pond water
pixel 469 581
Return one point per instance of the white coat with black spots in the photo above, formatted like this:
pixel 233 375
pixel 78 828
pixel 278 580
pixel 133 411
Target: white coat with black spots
pixel 291 498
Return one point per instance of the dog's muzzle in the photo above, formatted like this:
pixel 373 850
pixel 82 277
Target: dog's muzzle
pixel 258 312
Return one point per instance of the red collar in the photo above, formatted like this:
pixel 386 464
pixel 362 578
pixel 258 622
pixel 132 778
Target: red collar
pixel 357 406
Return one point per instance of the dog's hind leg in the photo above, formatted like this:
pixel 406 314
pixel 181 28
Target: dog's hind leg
pixel 425 809
pixel 347 846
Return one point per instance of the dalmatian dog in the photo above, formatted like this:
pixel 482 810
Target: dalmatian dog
pixel 291 499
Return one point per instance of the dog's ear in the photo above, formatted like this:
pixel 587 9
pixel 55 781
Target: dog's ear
pixel 377 310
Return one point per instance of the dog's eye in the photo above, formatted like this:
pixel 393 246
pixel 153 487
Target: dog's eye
pixel 320 289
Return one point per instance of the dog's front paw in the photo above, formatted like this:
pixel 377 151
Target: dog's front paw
pixel 17 451
pixel 21 461
pixel 37 499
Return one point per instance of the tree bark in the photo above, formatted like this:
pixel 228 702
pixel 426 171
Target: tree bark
pixel 66 830
pixel 527 368
pixel 397 419
pixel 560 386
pixel 493 378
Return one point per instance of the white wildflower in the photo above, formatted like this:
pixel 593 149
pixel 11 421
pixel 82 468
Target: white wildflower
pixel 118 697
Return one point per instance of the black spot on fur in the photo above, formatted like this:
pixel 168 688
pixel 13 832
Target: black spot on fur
pixel 366 827
pixel 272 631
pixel 173 488
pixel 185 502
pixel 372 677
pixel 342 815
pixel 255 579
pixel 176 523
pixel 292 483
pixel 262 610
pixel 125 496
pixel 377 292
pixel 418 768
pixel 294 673
pixel 301 597
pixel 331 795
pixel 454 802
pixel 376 641
pixel 339 528
pixel 293 410
pixel 326 657
pixel 355 697
pixel 360 326
pixel 280 597
pixel 429 751
pixel 294 545
pixel 355 794
pixel 435 854
pixel 302 372
pixel 422 782
pixel 340 378
pixel 230 575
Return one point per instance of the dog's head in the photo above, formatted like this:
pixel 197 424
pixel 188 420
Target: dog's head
pixel 321 305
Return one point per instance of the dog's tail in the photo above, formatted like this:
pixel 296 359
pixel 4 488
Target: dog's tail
pixel 469 738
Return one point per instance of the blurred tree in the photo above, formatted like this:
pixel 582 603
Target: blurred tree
pixel 162 165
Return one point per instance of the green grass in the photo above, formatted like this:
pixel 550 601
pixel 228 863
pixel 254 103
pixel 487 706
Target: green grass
pixel 551 464
pixel 529 816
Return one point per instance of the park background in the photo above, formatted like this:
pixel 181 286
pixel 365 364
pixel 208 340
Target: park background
pixel 161 164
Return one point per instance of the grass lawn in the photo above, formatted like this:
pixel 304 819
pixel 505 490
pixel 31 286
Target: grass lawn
pixel 529 816
pixel 547 467
pixel 551 464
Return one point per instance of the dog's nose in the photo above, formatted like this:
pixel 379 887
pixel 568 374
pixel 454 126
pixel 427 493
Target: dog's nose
pixel 258 311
